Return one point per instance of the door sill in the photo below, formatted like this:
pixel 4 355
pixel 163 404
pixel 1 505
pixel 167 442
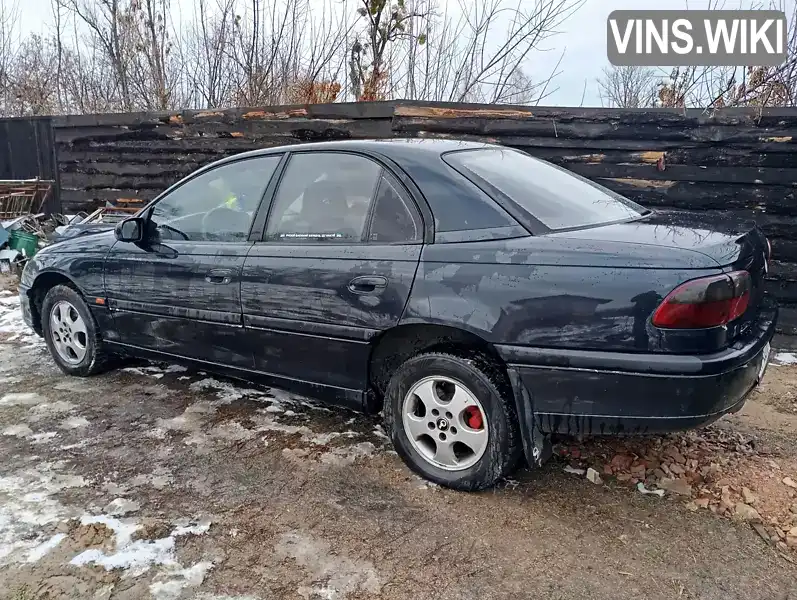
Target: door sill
pixel 344 397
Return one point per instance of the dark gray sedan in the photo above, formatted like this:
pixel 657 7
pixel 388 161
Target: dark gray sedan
pixel 481 298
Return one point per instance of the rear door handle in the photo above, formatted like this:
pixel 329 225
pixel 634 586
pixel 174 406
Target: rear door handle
pixel 219 276
pixel 368 284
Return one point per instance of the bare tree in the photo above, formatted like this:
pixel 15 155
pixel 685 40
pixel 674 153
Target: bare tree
pixel 628 87
pixel 9 36
pixel 385 24
pixel 152 67
pixel 33 76
pixel 109 40
pixel 206 48
pixel 485 52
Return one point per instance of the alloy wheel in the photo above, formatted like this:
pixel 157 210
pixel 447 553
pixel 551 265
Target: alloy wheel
pixel 68 331
pixel 445 423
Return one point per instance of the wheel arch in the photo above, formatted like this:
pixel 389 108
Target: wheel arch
pixel 394 346
pixel 43 283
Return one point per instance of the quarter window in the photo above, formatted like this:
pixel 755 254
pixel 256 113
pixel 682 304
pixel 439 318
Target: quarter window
pixel 393 219
pixel 216 206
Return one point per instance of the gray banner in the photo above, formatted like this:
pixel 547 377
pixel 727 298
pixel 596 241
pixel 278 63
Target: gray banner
pixel 672 38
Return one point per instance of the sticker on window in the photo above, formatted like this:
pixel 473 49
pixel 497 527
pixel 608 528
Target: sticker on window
pixel 314 236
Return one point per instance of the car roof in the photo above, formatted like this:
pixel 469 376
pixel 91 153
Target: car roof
pixel 394 148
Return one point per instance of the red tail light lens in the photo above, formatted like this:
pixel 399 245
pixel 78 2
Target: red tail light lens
pixel 705 302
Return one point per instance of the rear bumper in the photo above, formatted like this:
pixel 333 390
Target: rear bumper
pixel 582 392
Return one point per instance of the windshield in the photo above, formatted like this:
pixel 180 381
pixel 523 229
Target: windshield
pixel 554 196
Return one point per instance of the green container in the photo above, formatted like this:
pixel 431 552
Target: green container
pixel 24 242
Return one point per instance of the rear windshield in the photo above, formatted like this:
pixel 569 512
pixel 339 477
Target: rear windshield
pixel 554 196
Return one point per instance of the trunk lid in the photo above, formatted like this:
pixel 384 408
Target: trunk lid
pixel 724 241
pixel 730 244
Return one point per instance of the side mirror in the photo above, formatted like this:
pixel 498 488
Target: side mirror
pixel 131 230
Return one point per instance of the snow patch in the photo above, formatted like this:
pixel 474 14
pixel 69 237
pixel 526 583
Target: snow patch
pixel 74 423
pixel 27 506
pixel 11 322
pixel 44 548
pixel 40 438
pixel 119 507
pixel 19 430
pixel 47 409
pixel 170 585
pixel 135 557
pixel 226 393
pixel 188 527
pixel 22 399
pixel 785 358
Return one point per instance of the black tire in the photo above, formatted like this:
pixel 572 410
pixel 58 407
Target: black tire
pixel 97 358
pixel 483 379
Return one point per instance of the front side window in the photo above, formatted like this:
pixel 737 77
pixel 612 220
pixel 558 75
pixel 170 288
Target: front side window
pixel 323 197
pixel 554 196
pixel 216 206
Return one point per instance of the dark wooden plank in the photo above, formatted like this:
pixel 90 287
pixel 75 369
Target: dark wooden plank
pixel 709 156
pixel 782 281
pixel 591 130
pixel 750 175
pixel 750 116
pixel 299 129
pixel 74 198
pixel 71 157
pixel 153 169
pixel 92 182
pixel 775 199
pixel 69 135
pixel 787 321
pixel 527 142
pixel 216 145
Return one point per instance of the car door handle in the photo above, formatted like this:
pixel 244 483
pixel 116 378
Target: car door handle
pixel 368 284
pixel 219 276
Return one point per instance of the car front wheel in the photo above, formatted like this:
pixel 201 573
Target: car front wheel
pixel 453 420
pixel 71 333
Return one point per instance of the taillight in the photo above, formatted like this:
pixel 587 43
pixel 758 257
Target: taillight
pixel 705 302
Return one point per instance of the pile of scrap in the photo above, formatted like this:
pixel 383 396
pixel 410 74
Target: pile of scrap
pixel 102 219
pixel 21 203
pixel 23 197
pixel 24 229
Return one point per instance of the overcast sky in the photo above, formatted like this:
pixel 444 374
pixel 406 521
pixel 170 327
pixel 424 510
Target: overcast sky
pixel 582 38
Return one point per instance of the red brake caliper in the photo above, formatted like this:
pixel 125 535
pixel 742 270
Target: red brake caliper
pixel 473 416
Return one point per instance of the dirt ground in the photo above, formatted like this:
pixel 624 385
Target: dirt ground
pixel 154 481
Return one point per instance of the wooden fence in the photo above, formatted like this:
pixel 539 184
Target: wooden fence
pixel 738 163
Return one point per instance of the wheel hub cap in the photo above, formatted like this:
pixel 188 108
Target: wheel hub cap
pixel 68 332
pixel 445 423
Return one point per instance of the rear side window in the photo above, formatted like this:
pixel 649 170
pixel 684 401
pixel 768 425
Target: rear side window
pixel 554 196
pixel 323 197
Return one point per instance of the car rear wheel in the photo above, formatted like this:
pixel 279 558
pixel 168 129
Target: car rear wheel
pixel 453 421
pixel 71 333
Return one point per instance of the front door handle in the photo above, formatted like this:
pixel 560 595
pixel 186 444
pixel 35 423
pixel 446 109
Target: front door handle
pixel 219 276
pixel 368 284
